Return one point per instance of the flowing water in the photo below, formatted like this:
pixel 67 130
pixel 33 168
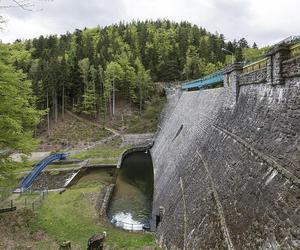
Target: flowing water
pixel 131 204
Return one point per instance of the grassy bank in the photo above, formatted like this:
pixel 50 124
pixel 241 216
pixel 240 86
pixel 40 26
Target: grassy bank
pixel 72 216
pixel 106 154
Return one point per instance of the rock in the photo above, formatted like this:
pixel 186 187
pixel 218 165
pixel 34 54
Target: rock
pixel 66 245
pixel 96 242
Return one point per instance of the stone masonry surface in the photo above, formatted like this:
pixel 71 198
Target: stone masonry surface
pixel 230 178
pixel 258 76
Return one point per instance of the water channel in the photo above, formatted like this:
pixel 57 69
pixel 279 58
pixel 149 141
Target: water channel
pixel 131 204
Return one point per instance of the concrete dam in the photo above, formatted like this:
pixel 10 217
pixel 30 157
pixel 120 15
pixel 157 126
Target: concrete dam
pixel 227 161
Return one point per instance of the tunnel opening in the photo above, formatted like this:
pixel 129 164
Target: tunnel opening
pixel 130 207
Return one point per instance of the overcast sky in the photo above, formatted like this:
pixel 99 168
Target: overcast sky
pixel 262 21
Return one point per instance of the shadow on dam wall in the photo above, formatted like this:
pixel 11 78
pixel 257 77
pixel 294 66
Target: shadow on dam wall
pixel 131 204
pixel 231 178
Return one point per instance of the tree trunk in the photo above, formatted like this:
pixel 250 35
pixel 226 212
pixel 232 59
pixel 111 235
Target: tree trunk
pixel 114 98
pixel 48 114
pixel 53 106
pixel 141 98
pixel 110 105
pixel 95 101
pixel 63 103
pixel 56 111
pixel 100 101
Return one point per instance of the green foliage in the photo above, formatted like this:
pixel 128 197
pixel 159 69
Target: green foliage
pixel 211 68
pixel 254 54
pixel 194 64
pixel 148 120
pixel 18 116
pixel 79 69
pixel 89 76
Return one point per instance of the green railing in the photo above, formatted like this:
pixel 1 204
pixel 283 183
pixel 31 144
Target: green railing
pixel 260 64
pixel 295 50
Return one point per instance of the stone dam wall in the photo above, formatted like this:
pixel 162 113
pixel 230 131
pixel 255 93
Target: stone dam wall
pixel 227 164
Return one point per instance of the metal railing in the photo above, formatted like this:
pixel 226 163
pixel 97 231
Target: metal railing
pixel 211 79
pixel 260 64
pixel 128 226
pixel 295 50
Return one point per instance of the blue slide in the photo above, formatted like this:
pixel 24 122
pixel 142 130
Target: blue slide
pixel 28 180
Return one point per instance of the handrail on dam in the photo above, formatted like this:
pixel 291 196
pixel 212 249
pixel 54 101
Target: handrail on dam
pixel 260 64
pixel 28 180
pixel 295 50
pixel 206 81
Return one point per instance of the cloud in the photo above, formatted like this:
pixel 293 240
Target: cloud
pixel 265 21
pixel 59 17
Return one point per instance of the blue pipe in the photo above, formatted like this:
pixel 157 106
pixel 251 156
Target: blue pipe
pixel 28 180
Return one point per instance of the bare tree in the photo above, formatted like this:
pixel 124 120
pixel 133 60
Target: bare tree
pixel 27 5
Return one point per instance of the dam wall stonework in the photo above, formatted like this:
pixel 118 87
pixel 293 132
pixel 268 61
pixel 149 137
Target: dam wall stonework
pixel 227 166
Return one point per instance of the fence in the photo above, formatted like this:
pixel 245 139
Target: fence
pixel 128 226
pixel 260 64
pixel 216 77
pixel 29 199
pixel 255 66
pixel 295 50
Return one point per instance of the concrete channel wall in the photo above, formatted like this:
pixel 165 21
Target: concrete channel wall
pixel 227 163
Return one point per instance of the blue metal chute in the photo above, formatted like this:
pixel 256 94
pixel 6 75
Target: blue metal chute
pixel 206 81
pixel 28 180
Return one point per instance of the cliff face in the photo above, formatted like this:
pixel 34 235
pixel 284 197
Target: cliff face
pixel 227 174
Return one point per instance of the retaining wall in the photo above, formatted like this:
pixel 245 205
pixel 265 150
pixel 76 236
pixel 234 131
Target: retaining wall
pixel 227 168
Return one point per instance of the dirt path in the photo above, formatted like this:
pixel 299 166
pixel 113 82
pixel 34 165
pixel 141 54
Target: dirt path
pixel 34 156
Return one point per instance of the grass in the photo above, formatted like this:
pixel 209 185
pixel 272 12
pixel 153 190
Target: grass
pixel 29 197
pixel 58 166
pixel 72 216
pixel 100 152
pixel 103 160
pixel 24 166
pixel 16 233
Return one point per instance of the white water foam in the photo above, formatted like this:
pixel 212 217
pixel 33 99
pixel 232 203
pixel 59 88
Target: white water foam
pixel 125 221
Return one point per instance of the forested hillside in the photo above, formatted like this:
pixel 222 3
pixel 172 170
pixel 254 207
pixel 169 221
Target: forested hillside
pixel 89 69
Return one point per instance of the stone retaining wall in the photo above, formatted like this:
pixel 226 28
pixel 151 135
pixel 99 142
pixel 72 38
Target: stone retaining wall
pixel 103 199
pixel 255 77
pixel 291 67
pixel 230 178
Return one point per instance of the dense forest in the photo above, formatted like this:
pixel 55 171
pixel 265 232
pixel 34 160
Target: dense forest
pixel 89 69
